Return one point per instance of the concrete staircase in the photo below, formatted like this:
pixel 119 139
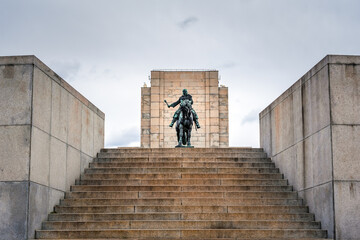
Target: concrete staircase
pixel 226 193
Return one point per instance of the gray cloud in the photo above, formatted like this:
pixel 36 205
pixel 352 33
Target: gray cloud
pixel 125 137
pixel 260 48
pixel 252 116
pixel 188 22
pixel 66 69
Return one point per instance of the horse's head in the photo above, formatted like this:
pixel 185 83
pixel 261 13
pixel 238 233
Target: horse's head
pixel 185 106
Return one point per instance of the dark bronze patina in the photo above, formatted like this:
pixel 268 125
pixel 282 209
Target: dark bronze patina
pixel 184 118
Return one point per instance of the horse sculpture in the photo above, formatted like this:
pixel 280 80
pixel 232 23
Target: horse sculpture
pixel 184 124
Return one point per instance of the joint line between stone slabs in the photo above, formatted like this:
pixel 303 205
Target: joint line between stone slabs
pixel 332 152
pixel 300 141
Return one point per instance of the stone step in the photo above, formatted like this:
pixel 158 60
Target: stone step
pixel 180 216
pixel 155 238
pixel 178 194
pixel 156 176
pixel 182 170
pixel 184 233
pixel 132 159
pixel 180 164
pixel 179 202
pixel 182 150
pixel 181 209
pixel 158 224
pixel 187 188
pixel 186 155
pixel 189 182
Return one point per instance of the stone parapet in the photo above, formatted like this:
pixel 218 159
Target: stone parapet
pixel 312 133
pixel 50 132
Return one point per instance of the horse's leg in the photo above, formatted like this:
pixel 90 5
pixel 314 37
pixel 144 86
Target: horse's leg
pixel 189 135
pixel 181 134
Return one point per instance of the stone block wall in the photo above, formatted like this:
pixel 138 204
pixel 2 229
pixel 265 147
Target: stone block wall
pixel 312 133
pixel 49 133
pixel 210 103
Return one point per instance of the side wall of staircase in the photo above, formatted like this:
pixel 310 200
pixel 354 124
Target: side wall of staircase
pixel 312 133
pixel 48 134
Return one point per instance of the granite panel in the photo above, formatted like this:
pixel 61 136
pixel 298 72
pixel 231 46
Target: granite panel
pixel 346 152
pixel 38 207
pixel 98 134
pixel 15 94
pixel 14 153
pixel 13 210
pixel 40 157
pixel 74 122
pixel 72 166
pixel 87 131
pixel 316 104
pixel 59 112
pixel 41 100
pixel 54 198
pixel 57 164
pixel 323 208
pixel 347 209
pixel 84 162
pixel 345 93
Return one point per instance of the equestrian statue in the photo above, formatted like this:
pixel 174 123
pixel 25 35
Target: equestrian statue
pixel 184 118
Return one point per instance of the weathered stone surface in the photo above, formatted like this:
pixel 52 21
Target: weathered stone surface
pixel 54 198
pixel 74 122
pixel 345 94
pixel 38 207
pixel 316 102
pixel 59 106
pixel 41 100
pixel 13 210
pixel 40 157
pixel 57 164
pixel 33 149
pixel 347 218
pixel 14 153
pixel 322 152
pixel 98 134
pixel 87 131
pixel 72 166
pixel 319 157
pixel 15 94
pixel 346 142
pixel 84 161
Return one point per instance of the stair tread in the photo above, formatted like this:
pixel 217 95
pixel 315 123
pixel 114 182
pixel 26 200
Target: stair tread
pixel 134 193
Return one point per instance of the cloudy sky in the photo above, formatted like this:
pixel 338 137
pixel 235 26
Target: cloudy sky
pixel 106 49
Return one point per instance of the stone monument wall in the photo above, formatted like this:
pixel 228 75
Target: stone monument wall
pixel 210 103
pixel 49 133
pixel 312 132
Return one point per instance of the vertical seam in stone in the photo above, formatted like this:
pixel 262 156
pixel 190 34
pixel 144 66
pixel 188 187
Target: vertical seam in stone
pixel 30 140
pixel 332 154
pixel 81 145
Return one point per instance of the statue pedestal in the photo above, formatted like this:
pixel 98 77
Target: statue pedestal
pixel 184 146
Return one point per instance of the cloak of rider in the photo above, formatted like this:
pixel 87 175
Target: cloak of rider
pixel 177 113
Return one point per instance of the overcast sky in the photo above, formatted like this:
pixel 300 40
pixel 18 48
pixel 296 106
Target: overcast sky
pixel 106 49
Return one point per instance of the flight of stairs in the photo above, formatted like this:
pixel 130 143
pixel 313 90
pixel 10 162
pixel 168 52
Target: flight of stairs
pixel 213 193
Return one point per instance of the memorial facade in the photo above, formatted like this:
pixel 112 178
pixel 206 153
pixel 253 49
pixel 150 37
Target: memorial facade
pixel 210 103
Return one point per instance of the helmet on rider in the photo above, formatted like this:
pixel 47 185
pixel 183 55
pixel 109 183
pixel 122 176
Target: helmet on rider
pixel 185 92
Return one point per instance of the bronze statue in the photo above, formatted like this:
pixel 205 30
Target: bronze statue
pixel 176 114
pixel 184 118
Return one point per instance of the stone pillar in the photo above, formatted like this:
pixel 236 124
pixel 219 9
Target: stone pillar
pixel 210 103
pixel 49 133
pixel 312 133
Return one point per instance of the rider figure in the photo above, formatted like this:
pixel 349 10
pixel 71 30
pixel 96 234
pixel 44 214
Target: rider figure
pixel 177 113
